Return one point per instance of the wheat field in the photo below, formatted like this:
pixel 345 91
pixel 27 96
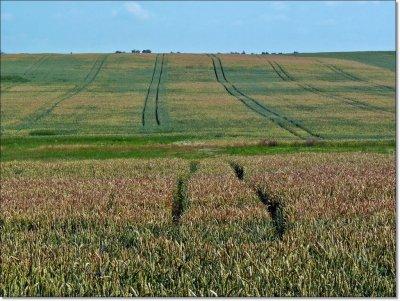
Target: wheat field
pixel 198 175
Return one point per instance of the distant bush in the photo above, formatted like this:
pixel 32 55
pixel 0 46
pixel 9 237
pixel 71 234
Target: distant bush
pixel 42 133
pixel 267 142
pixel 45 132
pixel 146 51
pixel 311 142
pixel 14 79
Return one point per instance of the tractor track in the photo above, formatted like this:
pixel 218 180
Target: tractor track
pixel 153 92
pixel 90 77
pixel 158 90
pixel 285 76
pixel 350 76
pixel 148 91
pixel 31 69
pixel 281 121
pixel 36 65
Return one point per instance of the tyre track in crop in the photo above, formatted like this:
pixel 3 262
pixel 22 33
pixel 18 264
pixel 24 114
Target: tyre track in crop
pixel 181 201
pixel 148 91
pixel 30 70
pixel 282 121
pixel 153 94
pixel 158 90
pixel 352 77
pixel 42 113
pixel 286 76
pixel 36 65
pixel 273 203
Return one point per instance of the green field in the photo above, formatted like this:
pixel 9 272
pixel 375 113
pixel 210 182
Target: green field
pixel 383 59
pixel 202 98
pixel 198 175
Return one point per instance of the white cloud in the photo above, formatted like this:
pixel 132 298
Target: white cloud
pixel 6 17
pixel 137 10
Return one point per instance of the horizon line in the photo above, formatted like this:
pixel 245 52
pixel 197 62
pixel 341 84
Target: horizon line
pixel 203 52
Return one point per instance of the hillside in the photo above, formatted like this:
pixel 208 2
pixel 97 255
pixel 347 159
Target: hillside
pixel 187 98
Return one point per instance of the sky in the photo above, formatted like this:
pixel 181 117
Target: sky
pixel 207 26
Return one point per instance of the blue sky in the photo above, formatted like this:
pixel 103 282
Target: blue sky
pixel 197 26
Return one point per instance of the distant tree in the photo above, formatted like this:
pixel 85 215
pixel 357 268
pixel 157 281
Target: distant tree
pixel 135 51
pixel 295 52
pixel 243 52
pixel 146 51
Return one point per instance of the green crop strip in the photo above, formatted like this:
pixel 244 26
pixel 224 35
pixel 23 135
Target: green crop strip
pixel 75 148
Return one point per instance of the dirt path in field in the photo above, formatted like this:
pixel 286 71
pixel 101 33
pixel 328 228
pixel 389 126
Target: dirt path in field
pixel 286 76
pixel 43 112
pixel 153 92
pixel 352 77
pixel 282 121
